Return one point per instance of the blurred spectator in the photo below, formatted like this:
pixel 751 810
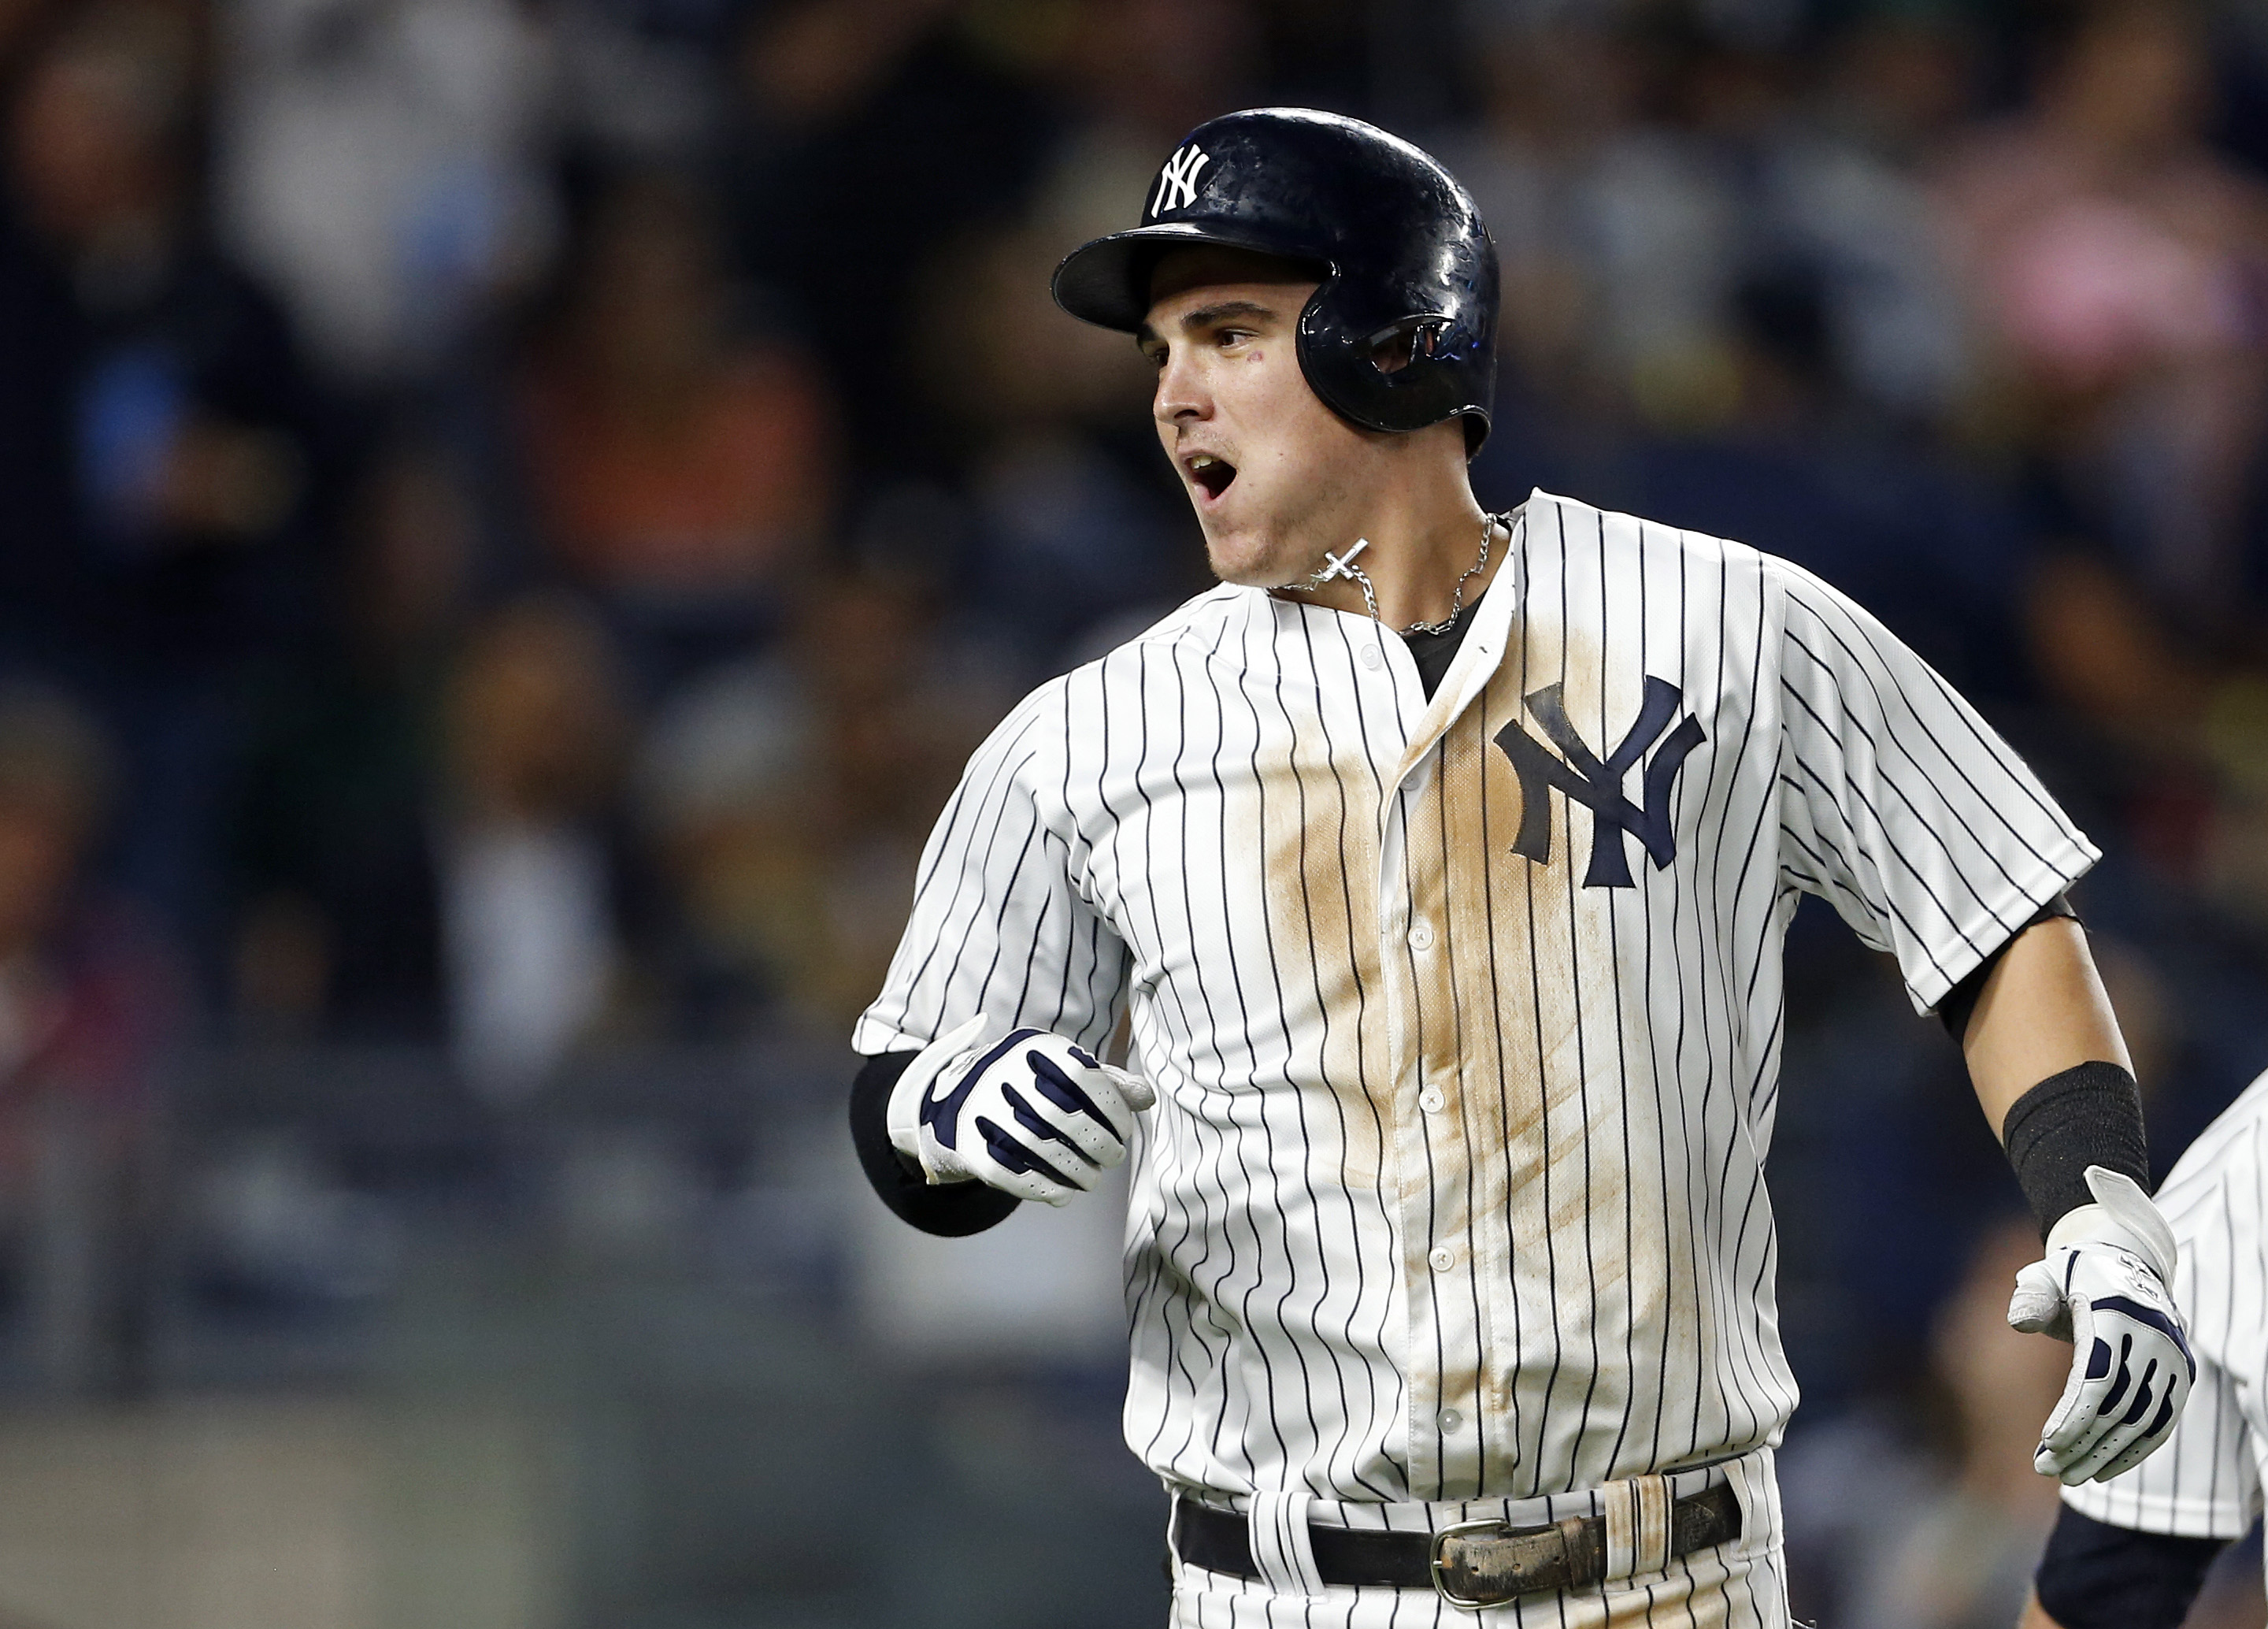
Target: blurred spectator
pixel 645 81
pixel 1131 87
pixel 1953 1550
pixel 870 133
pixel 903 704
pixel 1965 1557
pixel 429 845
pixel 1797 468
pixel 1849 184
pixel 1635 182
pixel 1072 541
pixel 682 468
pixel 86 992
pixel 1070 524
pixel 337 932
pixel 789 800
pixel 191 415
pixel 1715 310
pixel 2113 258
pixel 196 450
pixel 381 163
pixel 531 934
pixel 729 781
pixel 90 997
pixel 1619 234
pixel 1076 522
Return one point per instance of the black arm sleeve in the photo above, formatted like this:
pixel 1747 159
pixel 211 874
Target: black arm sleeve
pixel 954 1211
pixel 2096 1576
pixel 2091 1114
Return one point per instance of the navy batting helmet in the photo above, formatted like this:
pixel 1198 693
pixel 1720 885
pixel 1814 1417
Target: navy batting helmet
pixel 1401 332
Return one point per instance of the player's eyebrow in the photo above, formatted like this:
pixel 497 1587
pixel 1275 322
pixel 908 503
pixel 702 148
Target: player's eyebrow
pixel 1205 316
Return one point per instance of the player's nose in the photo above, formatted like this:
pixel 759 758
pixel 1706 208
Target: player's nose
pixel 1182 396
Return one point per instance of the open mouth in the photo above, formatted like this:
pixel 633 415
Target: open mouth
pixel 1212 474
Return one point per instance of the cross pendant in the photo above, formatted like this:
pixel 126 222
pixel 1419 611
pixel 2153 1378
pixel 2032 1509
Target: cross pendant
pixel 1335 566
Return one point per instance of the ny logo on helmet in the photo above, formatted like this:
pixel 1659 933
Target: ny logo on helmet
pixel 1177 182
pixel 1598 786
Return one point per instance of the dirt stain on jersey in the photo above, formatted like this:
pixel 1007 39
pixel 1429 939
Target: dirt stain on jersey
pixel 1527 999
pixel 1543 1148
pixel 1319 870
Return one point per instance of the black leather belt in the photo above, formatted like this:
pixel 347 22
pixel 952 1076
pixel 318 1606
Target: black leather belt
pixel 1475 1564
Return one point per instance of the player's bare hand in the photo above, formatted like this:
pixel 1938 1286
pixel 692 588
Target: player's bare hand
pixel 2102 1286
pixel 1030 1113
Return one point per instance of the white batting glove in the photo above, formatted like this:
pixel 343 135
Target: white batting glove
pixel 1028 1113
pixel 2102 1287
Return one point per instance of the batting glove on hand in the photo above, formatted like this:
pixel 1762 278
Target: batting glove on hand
pixel 1029 1114
pixel 2102 1287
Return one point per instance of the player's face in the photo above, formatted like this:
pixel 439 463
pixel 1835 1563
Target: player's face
pixel 1270 469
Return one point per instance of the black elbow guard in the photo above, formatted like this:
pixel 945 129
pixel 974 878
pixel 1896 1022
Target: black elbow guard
pixel 953 1211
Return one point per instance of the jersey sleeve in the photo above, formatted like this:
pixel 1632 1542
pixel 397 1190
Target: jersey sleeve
pixel 998 923
pixel 1899 804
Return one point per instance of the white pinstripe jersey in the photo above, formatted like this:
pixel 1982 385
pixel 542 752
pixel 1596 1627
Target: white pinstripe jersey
pixel 1465 1014
pixel 2204 1480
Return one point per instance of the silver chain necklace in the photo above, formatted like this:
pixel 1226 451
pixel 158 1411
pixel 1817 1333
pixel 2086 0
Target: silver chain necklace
pixel 1344 565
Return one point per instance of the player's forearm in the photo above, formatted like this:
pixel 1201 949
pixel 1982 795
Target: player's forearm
pixel 2052 1072
pixel 2042 1011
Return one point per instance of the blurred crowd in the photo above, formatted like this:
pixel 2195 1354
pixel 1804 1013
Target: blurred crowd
pixel 512 513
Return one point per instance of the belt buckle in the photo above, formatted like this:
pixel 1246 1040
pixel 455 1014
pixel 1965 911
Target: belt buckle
pixel 1438 1567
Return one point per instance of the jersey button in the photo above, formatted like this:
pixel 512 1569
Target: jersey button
pixel 1431 1100
pixel 1450 1420
pixel 1373 658
pixel 1421 935
pixel 1443 1258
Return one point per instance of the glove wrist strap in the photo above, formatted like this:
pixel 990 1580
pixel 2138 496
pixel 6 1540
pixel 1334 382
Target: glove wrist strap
pixel 953 1048
pixel 2091 1224
pixel 2122 1216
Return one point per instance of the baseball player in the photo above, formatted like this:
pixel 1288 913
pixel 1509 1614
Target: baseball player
pixel 2131 1554
pixel 1437 863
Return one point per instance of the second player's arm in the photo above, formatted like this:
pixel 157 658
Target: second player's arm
pixel 2103 1576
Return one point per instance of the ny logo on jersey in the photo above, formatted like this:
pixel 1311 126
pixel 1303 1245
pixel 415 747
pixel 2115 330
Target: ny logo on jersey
pixel 1177 182
pixel 1598 786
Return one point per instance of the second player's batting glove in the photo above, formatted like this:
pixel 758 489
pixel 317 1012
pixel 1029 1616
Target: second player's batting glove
pixel 2102 1287
pixel 1028 1113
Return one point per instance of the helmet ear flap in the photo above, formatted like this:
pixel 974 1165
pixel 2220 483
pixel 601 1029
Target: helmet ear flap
pixel 1400 375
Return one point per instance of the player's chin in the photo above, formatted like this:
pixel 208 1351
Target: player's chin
pixel 1238 556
